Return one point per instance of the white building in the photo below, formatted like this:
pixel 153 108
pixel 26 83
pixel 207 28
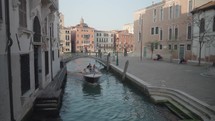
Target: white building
pixel 204 32
pixel 33 29
pixel 104 40
pixel 65 39
pixel 65 36
pixel 129 27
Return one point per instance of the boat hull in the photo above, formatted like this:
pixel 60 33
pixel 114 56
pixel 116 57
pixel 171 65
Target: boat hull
pixel 92 78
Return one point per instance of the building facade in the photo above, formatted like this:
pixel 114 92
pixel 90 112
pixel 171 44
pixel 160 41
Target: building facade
pixel 124 41
pixel 104 40
pixel 129 27
pixel 203 46
pixel 65 39
pixel 83 37
pixel 166 27
pixel 29 53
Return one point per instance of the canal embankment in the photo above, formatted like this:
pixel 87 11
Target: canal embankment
pixel 49 100
pixel 184 105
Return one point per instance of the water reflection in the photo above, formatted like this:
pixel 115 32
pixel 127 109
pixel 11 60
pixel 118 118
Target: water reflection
pixel 91 89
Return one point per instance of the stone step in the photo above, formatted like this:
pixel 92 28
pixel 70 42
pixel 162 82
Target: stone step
pixel 198 111
pixel 189 99
pixel 47 105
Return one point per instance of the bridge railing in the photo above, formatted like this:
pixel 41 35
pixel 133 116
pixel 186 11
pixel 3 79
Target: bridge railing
pixel 99 56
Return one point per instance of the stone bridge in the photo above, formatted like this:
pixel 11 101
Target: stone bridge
pixel 103 59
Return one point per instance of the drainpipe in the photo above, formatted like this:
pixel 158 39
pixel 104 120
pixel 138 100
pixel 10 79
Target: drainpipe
pixel 9 44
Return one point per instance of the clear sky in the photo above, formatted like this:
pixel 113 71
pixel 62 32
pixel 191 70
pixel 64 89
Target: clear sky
pixel 101 14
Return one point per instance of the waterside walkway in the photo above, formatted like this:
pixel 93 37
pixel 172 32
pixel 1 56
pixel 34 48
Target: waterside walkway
pixel 197 81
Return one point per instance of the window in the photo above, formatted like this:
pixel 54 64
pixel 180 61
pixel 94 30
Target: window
pixel 190 6
pixel 45 26
pixel 177 11
pixel 175 47
pixel 170 33
pixel 176 33
pixel 161 14
pixel 188 47
pixel 214 24
pixel 170 12
pixel 156 30
pixel 189 34
pixel 22 14
pixel 53 55
pixel 154 15
pixel 161 47
pixel 161 34
pixel 202 25
pixel 170 47
pixel 67 43
pixel 46 62
pixel 25 73
pixel 1 16
pixel 152 31
pixel 156 45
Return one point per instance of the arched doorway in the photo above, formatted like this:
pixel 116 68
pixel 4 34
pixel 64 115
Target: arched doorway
pixel 37 52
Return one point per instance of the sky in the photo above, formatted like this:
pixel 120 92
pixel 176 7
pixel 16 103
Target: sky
pixel 101 14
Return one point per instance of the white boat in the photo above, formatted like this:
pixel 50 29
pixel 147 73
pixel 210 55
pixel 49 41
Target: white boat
pixel 92 76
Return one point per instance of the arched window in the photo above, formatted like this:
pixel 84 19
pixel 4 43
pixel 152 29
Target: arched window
pixel 202 25
pixel 22 14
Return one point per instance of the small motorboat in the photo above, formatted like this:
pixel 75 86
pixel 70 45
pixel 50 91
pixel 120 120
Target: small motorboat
pixel 92 75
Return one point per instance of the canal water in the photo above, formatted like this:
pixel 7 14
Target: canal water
pixel 109 100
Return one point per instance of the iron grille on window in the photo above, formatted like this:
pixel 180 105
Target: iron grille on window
pixel 25 73
pixel 46 63
pixel 189 32
pixel 53 55
pixel 22 13
pixel 161 34
pixel 202 25
pixel 1 16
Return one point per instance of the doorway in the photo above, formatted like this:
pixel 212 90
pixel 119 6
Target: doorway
pixel 37 53
pixel 181 51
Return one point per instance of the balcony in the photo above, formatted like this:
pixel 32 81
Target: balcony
pixel 53 4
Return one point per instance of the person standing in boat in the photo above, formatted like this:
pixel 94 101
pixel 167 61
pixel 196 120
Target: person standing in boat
pixel 94 67
pixel 89 66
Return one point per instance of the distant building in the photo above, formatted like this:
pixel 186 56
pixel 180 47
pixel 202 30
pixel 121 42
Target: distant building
pixel 204 31
pixel 32 31
pixel 129 27
pixel 124 40
pixel 61 20
pixel 83 37
pixel 65 39
pixel 104 40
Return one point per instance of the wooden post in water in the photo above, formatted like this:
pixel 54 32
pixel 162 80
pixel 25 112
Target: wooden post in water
pixel 125 70
pixel 108 61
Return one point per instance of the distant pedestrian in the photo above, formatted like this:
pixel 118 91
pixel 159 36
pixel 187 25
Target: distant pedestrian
pixel 182 60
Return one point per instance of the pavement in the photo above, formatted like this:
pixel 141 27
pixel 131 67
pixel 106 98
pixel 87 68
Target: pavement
pixel 197 81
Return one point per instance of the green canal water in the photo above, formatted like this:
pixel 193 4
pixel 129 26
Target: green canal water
pixel 109 100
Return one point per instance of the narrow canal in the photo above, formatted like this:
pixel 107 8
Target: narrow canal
pixel 109 100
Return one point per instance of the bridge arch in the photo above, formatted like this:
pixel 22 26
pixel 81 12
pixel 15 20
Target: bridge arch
pixel 101 61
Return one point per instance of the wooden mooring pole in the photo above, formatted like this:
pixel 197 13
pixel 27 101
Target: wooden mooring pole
pixel 125 70
pixel 108 61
